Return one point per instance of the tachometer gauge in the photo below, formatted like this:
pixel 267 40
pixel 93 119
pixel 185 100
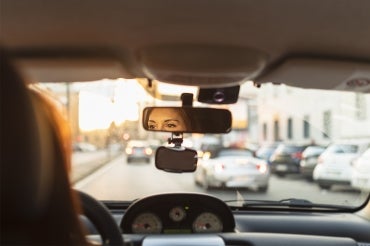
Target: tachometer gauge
pixel 177 214
pixel 207 223
pixel 147 223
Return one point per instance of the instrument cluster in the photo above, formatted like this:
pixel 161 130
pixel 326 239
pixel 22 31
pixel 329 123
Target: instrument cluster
pixel 178 214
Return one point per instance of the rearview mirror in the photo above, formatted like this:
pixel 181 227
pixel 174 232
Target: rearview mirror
pixel 187 119
pixel 176 159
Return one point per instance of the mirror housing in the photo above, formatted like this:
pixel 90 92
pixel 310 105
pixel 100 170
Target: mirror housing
pixel 225 95
pixel 187 120
pixel 176 159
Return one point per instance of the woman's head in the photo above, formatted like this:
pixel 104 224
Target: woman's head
pixel 34 166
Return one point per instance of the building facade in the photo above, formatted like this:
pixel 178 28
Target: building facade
pixel 311 116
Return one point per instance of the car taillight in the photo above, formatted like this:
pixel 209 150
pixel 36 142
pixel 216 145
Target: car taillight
pixel 297 155
pixel 262 167
pixel 148 151
pixel 129 151
pixel 200 153
pixel 206 155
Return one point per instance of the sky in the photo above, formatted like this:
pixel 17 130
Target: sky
pixel 101 104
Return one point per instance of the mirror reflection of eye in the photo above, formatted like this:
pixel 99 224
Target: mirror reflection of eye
pixel 171 124
pixel 152 126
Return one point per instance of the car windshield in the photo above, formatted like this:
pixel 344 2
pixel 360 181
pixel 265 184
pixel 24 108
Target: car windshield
pixel 342 148
pixel 105 119
pixel 234 152
pixel 313 150
pixel 265 151
pixel 286 149
pixel 366 154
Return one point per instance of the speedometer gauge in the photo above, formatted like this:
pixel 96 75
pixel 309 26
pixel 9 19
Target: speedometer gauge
pixel 147 223
pixel 207 223
pixel 177 214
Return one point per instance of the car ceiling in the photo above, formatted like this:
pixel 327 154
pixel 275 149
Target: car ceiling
pixel 313 44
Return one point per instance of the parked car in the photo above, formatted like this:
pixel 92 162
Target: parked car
pixel 233 167
pixel 265 151
pixel 334 164
pixel 83 147
pixel 138 150
pixel 361 172
pixel 309 160
pixel 286 159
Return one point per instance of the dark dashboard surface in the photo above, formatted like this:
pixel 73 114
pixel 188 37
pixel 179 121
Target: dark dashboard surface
pixel 167 218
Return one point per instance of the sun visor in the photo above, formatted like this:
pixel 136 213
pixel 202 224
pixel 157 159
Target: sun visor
pixel 201 65
pixel 71 69
pixel 325 74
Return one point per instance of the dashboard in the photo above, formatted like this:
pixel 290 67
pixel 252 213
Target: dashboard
pixel 200 219
pixel 180 213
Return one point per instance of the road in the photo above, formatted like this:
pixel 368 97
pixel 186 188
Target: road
pixel 121 181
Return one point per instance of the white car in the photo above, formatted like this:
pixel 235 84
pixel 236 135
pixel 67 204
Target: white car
pixel 334 164
pixel 233 167
pixel 361 172
pixel 138 150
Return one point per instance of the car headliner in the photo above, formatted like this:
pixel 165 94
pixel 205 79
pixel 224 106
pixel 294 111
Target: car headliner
pixel 314 44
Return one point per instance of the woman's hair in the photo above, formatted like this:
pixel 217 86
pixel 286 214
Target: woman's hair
pixel 60 223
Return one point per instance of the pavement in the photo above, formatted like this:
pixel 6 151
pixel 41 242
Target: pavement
pixel 86 163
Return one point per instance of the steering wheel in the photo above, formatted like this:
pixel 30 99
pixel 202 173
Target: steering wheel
pixel 100 216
